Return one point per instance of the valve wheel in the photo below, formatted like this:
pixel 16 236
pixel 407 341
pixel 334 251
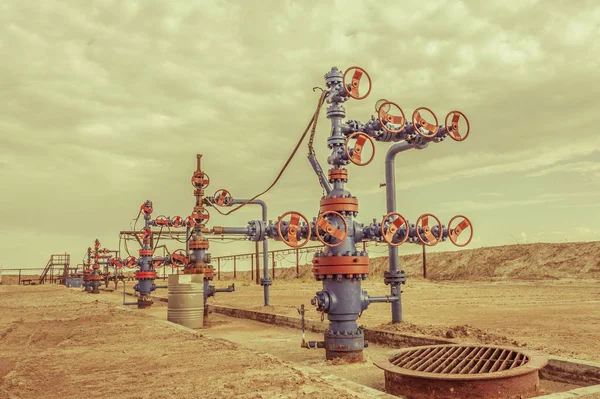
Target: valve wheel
pixel 385 117
pixel 130 262
pixel 157 264
pixel 356 157
pixel 454 233
pixel 452 129
pixel 222 197
pixel 176 221
pixel 201 217
pixel 146 209
pixel 393 227
pixel 116 262
pixel 190 222
pixel 200 180
pixel 380 102
pixel 161 221
pixel 330 229
pixel 293 229
pixel 355 82
pixel 178 260
pixel 424 221
pixel 146 234
pixel 418 119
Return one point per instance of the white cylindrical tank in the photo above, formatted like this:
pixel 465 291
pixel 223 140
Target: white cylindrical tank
pixel 186 300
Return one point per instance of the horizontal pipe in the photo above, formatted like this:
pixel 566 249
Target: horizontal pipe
pixel 162 286
pixel 130 303
pixel 231 230
pixel 231 288
pixel 383 299
pixel 312 344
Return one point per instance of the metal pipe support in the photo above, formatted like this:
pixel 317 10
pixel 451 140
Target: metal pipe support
pixel 265 281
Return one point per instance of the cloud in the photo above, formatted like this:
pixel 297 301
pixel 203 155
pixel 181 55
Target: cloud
pixel 457 206
pixel 484 164
pixel 109 106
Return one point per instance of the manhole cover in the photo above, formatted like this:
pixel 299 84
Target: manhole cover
pixel 463 371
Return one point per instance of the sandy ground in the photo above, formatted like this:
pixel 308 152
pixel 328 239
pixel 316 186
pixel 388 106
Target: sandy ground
pixel 46 333
pixel 560 317
pixel 61 343
pixel 284 343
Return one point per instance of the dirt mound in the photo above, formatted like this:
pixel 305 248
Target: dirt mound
pixel 508 262
pixel 465 332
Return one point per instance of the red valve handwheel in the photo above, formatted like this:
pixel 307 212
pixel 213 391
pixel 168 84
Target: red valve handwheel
pixel 418 119
pixel 361 139
pixel 454 233
pixel 161 221
pixel 384 117
pixel 392 228
pixel 116 262
pixel 157 264
pixel 222 197
pixel 146 209
pixel 178 260
pixel 331 229
pixel 176 221
pixel 104 250
pixel 356 77
pixel 200 179
pixel 452 129
pixel 190 222
pixel 201 217
pixel 146 233
pixel 130 262
pixel 293 229
pixel 431 239
pixel 96 244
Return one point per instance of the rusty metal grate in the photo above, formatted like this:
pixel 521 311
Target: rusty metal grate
pixel 459 359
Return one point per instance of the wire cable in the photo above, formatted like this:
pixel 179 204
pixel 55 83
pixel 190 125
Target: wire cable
pixel 311 123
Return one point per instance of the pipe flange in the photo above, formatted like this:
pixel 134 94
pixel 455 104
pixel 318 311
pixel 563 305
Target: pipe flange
pixel 334 76
pixel 344 333
pixel 257 230
pixel 266 281
pixel 394 277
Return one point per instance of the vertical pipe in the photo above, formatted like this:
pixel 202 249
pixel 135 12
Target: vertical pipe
pixel 390 195
pixel 19 276
pixel 265 248
pixel 424 263
pixel 234 267
pixel 257 253
pixel 218 268
pixel 364 246
pixel 187 239
pixel 297 263
pixel 273 263
pixel 252 268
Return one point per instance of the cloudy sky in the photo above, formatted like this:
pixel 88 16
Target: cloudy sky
pixel 106 103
